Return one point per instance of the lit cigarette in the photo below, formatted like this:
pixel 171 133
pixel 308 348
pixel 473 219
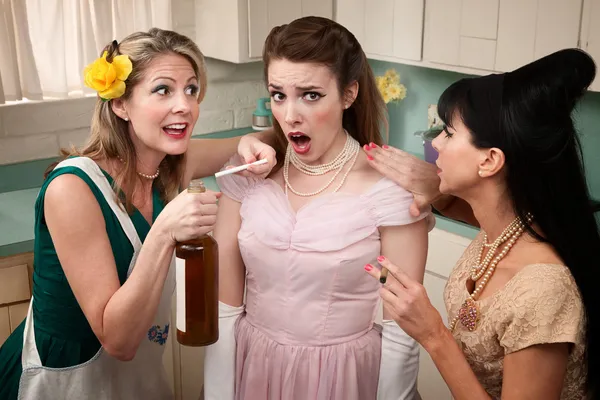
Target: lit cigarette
pixel 240 168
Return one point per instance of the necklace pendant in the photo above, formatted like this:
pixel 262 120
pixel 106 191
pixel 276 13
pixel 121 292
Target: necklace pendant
pixel 468 315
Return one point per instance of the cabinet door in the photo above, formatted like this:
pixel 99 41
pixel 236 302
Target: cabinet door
pixel 442 31
pixel 389 28
pixel 351 14
pixel 528 30
pixel 478 30
pixel 263 15
pixel 431 385
pixel 408 29
pixel 590 31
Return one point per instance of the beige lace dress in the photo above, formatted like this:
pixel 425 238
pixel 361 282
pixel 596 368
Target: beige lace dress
pixel 540 304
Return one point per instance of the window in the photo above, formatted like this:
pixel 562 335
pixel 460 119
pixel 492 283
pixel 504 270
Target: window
pixel 45 44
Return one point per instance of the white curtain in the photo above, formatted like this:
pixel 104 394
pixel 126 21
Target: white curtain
pixel 45 44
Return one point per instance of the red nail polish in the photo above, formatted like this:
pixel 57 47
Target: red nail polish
pixel 366 147
pixel 373 145
pixel 370 158
pixel 381 258
pixel 368 267
pixel 385 146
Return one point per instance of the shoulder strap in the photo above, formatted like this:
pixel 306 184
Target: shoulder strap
pixel 91 169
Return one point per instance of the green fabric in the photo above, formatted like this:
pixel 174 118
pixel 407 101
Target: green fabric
pixel 63 335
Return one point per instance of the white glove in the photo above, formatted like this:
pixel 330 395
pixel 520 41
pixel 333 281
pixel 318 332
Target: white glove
pixel 399 364
pixel 219 358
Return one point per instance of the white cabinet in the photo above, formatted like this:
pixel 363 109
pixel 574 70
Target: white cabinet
pixel 461 32
pixel 590 35
pixel 497 35
pixel 235 30
pixel 445 249
pixel 386 29
pixel 531 29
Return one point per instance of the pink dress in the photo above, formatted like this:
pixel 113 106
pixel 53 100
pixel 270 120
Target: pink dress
pixel 308 329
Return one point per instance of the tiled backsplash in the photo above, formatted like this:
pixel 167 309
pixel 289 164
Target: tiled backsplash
pixel 37 130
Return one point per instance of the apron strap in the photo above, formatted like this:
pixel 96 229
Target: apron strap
pixel 30 356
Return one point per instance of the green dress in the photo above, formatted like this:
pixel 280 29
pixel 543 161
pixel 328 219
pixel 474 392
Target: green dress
pixel 62 333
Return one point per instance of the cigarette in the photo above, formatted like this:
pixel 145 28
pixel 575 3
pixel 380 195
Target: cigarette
pixel 240 168
pixel 383 275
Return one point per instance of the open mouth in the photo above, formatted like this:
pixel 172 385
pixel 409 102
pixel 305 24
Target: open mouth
pixel 300 142
pixel 177 131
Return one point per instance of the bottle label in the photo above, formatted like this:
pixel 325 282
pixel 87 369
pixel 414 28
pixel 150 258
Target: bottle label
pixel 180 284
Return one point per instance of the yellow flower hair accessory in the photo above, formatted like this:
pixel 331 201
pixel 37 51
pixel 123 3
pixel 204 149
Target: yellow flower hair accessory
pixel 390 87
pixel 108 78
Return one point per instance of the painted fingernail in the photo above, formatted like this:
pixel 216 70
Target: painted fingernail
pixel 385 146
pixel 373 145
pixel 370 158
pixel 366 147
pixel 381 258
pixel 368 267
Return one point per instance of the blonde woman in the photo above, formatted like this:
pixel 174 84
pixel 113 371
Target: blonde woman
pixel 104 233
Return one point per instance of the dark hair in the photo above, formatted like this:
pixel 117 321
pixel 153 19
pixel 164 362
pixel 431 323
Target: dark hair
pixel 323 41
pixel 527 114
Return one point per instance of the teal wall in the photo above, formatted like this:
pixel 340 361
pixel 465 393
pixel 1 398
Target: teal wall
pixel 425 85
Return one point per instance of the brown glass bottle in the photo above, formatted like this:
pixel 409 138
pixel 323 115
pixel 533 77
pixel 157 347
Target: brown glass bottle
pixel 197 272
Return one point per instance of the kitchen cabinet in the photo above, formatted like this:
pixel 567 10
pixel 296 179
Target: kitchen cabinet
pixel 590 34
pixel 531 29
pixel 235 30
pixel 387 29
pixel 15 291
pixel 498 35
pixel 445 249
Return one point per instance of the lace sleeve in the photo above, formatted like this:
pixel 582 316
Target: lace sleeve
pixel 543 306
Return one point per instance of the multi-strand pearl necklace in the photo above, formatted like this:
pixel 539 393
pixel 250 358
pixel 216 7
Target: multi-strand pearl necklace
pixel 468 314
pixel 348 153
pixel 151 177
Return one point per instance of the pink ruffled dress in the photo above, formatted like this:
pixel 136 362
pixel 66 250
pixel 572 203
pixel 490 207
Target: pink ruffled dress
pixel 308 329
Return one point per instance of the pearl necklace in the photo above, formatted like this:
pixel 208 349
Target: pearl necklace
pixel 468 314
pixel 349 153
pixel 478 270
pixel 151 177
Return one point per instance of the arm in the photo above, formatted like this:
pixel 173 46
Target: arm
pixel 232 271
pixel 205 157
pixel 219 360
pixel 119 315
pixel 399 367
pixel 420 178
pixel 536 372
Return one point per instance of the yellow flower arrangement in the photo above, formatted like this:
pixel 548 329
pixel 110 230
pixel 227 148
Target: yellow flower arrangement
pixel 390 87
pixel 108 78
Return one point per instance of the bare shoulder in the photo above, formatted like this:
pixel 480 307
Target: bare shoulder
pixel 364 172
pixel 69 197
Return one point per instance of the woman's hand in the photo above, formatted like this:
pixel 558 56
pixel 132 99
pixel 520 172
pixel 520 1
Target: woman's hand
pixel 251 149
pixel 189 215
pixel 407 303
pixel 411 173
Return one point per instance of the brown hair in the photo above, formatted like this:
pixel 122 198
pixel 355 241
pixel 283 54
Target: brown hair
pixel 323 41
pixel 109 136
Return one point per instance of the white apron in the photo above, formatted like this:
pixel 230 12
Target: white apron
pixel 103 377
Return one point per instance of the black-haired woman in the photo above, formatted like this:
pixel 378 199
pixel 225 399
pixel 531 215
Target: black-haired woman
pixel 520 300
